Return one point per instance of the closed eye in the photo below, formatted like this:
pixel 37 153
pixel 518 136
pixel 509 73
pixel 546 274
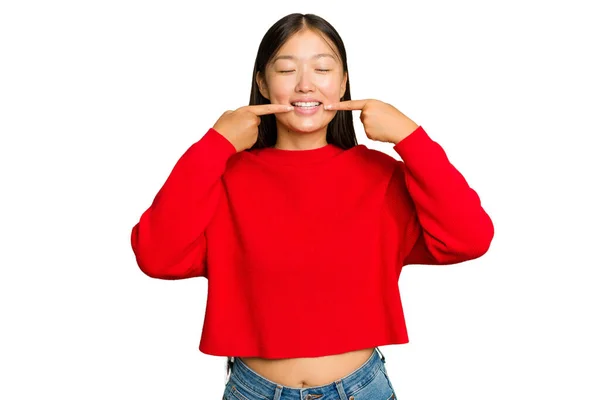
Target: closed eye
pixel 320 70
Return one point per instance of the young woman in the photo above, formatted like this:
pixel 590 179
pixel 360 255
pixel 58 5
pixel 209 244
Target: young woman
pixel 301 232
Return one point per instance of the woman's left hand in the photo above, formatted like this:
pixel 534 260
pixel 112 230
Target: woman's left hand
pixel 382 121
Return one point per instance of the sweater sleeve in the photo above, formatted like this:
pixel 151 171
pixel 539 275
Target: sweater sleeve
pixel 169 240
pixel 446 223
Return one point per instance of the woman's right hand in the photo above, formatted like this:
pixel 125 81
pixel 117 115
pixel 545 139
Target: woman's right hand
pixel 240 127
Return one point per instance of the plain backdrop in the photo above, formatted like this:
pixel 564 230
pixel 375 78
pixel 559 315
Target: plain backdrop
pixel 98 100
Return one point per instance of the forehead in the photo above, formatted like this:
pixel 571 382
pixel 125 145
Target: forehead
pixel 307 44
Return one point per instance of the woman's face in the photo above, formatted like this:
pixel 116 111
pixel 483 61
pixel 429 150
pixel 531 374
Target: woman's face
pixel 305 69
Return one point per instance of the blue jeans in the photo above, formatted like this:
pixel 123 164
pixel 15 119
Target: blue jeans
pixel 369 382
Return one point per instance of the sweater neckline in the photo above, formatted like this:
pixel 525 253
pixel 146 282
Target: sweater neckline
pixel 280 156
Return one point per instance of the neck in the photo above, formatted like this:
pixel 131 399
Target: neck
pixel 292 140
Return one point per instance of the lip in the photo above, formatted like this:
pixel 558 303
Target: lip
pixel 307 110
pixel 305 99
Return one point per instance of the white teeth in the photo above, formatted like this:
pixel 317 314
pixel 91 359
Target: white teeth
pixel 306 104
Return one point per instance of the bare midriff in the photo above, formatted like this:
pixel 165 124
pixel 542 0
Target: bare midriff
pixel 308 372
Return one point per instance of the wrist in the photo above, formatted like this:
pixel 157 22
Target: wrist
pixel 406 130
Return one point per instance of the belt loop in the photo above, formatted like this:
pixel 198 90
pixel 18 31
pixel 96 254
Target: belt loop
pixel 382 356
pixel 278 391
pixel 341 390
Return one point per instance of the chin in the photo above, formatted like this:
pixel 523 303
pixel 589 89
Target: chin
pixel 307 126
pixel 304 129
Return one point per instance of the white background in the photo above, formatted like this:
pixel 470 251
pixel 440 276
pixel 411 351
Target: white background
pixel 99 99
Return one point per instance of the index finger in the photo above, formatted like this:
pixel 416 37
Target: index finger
pixel 263 109
pixel 347 105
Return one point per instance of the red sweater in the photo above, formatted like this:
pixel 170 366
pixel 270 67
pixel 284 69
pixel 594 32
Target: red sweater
pixel 303 249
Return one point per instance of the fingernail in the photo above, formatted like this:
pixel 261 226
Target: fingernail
pixel 327 107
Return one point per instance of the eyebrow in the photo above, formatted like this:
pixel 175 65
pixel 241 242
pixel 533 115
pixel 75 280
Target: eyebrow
pixel 288 57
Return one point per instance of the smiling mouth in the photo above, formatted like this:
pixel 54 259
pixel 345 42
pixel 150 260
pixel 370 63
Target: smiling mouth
pixel 306 104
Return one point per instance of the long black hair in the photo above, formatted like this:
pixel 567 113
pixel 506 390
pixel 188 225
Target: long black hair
pixel 340 131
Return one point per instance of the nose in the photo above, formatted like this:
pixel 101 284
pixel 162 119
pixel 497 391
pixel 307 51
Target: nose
pixel 305 83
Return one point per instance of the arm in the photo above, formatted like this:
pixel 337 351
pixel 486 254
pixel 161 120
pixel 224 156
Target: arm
pixel 169 240
pixel 446 223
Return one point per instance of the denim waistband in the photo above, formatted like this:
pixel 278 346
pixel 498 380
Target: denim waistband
pixel 242 374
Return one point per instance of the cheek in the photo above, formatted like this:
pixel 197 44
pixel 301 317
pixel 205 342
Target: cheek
pixel 280 90
pixel 331 89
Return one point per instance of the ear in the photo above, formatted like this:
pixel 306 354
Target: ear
pixel 343 86
pixel 262 85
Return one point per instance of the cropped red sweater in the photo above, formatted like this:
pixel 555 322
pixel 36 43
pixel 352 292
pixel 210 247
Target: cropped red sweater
pixel 303 249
